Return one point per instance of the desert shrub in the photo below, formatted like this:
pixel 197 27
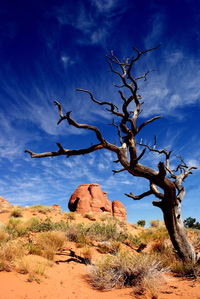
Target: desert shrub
pixel 111 247
pixel 105 231
pixel 16 227
pixel 77 233
pixel 158 246
pixel 37 225
pixel 191 223
pixel 87 253
pixel 125 269
pixel 33 265
pixel 9 252
pixel 90 216
pixel 41 209
pixel 33 248
pixel 4 236
pixel 105 217
pixel 156 223
pixel 16 212
pixel 153 234
pixel 70 215
pixel 141 223
pixel 50 242
pixel 132 240
pixel 185 269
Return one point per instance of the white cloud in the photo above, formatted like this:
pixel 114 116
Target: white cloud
pixel 174 57
pixel 66 60
pixel 105 5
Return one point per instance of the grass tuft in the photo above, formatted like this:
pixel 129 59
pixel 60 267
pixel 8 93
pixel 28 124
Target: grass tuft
pixel 126 269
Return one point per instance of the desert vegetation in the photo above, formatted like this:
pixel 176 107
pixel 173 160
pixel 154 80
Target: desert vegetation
pixel 125 255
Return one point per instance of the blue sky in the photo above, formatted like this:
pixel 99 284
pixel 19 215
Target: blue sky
pixel 49 48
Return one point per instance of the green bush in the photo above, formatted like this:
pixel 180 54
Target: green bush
pixel 191 223
pixel 141 223
pixel 42 209
pixel 16 212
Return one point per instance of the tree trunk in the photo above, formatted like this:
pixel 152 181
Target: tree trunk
pixel 174 224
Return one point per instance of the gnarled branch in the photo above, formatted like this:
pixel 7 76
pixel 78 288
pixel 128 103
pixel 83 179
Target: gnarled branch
pixel 138 197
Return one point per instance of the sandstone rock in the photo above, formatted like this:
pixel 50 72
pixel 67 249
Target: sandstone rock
pixel 118 209
pixel 56 208
pixel 90 198
pixel 4 204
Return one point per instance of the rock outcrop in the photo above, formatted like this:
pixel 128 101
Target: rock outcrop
pixel 4 204
pixel 90 198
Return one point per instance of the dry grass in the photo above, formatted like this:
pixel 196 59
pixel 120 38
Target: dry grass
pixel 87 253
pixel 9 252
pixel 157 223
pixel 185 269
pixel 154 234
pixel 4 236
pixel 126 269
pixel 70 216
pixel 33 265
pixel 41 209
pixel 50 242
pixel 90 216
pixel 16 212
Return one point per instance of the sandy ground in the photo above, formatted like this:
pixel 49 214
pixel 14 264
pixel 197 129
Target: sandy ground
pixel 70 281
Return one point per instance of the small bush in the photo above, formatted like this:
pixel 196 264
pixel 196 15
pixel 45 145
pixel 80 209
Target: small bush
pixel 154 234
pixel 77 233
pixel 125 269
pixel 50 242
pixel 37 225
pixel 16 212
pixel 106 231
pixel 4 236
pixel 191 223
pixel 16 227
pixel 90 216
pixel 111 247
pixel 156 223
pixel 33 249
pixel 141 223
pixel 185 269
pixel 33 265
pixel 41 209
pixel 87 253
pixel 70 215
pixel 9 252
pixel 158 247
pixel 105 217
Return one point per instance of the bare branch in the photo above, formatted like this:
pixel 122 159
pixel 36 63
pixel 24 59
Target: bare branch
pixel 147 122
pixel 118 131
pixel 66 152
pixel 144 76
pixel 113 107
pixel 138 197
pixel 155 191
pixel 117 171
pixel 85 126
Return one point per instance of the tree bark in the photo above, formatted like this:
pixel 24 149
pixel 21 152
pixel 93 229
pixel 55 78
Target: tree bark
pixel 175 227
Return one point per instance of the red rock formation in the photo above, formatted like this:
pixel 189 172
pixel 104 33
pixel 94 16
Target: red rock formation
pixel 119 209
pixel 56 208
pixel 90 198
pixel 4 204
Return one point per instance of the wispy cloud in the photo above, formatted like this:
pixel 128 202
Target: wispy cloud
pixel 94 24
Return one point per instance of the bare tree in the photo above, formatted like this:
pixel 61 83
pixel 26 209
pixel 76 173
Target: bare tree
pixel 129 154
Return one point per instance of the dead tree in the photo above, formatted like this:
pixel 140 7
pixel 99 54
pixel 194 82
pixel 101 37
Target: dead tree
pixel 129 153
